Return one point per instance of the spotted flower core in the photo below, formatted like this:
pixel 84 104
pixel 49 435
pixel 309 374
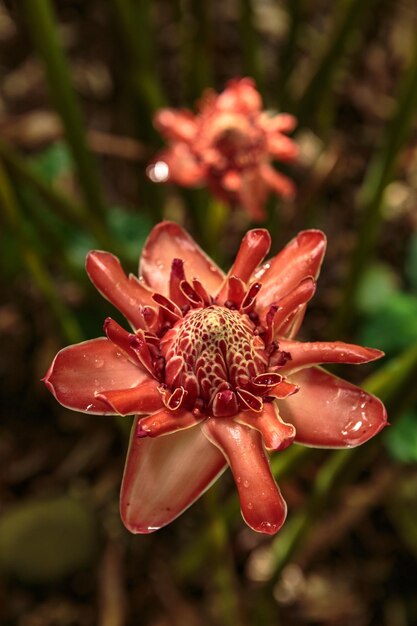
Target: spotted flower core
pixel 213 373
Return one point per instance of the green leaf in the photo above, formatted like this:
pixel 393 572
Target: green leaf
pixel 393 327
pixel 379 283
pixel 131 229
pixel 54 162
pixel 46 540
pixel 411 263
pixel 401 438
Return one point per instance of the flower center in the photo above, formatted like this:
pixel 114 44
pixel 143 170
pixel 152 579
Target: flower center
pixel 215 363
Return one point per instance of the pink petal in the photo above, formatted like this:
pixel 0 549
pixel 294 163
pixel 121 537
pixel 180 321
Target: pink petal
pixel 254 247
pixel 176 124
pixel 280 184
pixel 282 148
pixel 291 305
pixel 281 123
pixel 164 476
pixel 143 399
pixel 253 193
pixel 166 422
pixel 313 353
pixel 330 412
pixel 183 168
pixel 263 507
pixel 300 259
pixel 109 278
pixel 276 434
pixel 239 96
pixel 167 242
pixel 80 372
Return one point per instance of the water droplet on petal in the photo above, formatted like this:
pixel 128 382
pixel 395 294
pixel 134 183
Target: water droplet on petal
pixel 250 505
pixel 246 483
pixel 98 363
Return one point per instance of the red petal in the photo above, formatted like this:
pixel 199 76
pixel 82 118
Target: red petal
pixel 276 434
pixel 280 184
pixel 183 168
pixel 330 412
pixel 254 247
pixel 167 242
pixel 281 123
pixel 127 294
pixel 175 124
pixel 164 476
pixel 240 96
pixel 263 507
pixel 145 398
pixel 80 372
pixel 253 193
pixel 291 305
pixel 313 353
pixel 165 422
pixel 282 148
pixel 120 337
pixel 300 259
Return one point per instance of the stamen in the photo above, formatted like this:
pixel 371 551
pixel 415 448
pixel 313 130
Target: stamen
pixel 190 294
pixel 171 311
pixel 250 298
pixel 254 403
pixel 141 349
pixel 176 277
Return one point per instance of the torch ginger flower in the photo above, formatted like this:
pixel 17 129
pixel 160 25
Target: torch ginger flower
pixel 228 144
pixel 213 373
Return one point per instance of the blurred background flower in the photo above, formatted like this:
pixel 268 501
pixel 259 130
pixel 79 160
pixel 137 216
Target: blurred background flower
pixel 228 145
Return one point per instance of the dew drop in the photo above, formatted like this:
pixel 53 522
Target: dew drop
pixel 246 483
pixel 250 505
pixel 98 363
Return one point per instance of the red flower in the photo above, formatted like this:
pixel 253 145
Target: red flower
pixel 213 373
pixel 228 144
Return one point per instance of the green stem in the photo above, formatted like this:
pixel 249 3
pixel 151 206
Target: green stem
pixel 40 276
pixel 223 574
pixel 41 24
pixel 197 51
pixel 287 57
pixel 135 25
pixel 380 173
pixel 338 43
pixel 296 529
pixel 68 210
pixel 250 43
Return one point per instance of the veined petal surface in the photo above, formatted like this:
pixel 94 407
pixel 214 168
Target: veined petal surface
pixel 82 371
pixel 165 475
pixel 168 241
pixel 263 507
pixel 329 412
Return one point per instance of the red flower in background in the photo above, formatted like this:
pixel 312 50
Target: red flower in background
pixel 228 145
pixel 213 373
